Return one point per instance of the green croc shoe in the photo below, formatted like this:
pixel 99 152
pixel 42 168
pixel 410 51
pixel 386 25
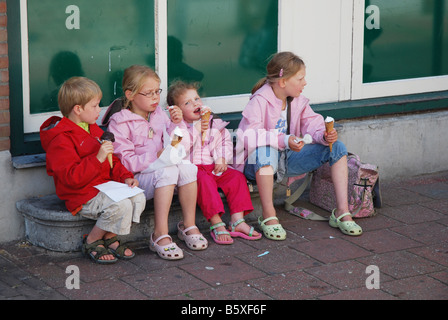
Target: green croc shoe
pixel 274 231
pixel 347 227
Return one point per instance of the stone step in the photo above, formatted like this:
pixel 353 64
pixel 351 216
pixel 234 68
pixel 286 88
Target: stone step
pixel 50 225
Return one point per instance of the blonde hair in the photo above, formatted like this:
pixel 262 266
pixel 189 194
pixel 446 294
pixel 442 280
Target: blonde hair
pixel 178 88
pixel 77 91
pixel 133 80
pixel 282 65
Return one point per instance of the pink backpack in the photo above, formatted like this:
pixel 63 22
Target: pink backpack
pixel 363 188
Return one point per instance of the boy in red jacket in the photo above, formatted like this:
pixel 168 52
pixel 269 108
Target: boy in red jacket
pixel 76 159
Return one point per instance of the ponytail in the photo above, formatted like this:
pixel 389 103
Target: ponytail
pixel 259 84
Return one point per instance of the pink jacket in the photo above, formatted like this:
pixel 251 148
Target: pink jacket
pixel 133 144
pixel 218 143
pixel 257 127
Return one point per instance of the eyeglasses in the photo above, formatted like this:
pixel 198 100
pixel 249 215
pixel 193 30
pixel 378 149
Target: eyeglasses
pixel 151 94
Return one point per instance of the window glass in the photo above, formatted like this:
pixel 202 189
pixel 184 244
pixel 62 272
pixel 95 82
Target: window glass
pixel 405 39
pixel 225 44
pixel 96 39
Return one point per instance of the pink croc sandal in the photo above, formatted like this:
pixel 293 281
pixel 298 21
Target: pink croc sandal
pixel 193 241
pixel 168 252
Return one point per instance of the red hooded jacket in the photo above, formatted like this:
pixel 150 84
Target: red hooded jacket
pixel 71 161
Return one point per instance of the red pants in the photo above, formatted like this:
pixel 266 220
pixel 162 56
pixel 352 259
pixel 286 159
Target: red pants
pixel 232 183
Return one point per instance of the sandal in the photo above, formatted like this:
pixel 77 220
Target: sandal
pixel 193 241
pixel 119 252
pixel 214 233
pixel 274 231
pixel 347 227
pixel 168 252
pixel 98 247
pixel 236 234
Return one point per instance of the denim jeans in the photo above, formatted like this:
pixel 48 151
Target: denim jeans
pixel 311 157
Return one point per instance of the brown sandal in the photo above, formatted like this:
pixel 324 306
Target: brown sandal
pixel 98 248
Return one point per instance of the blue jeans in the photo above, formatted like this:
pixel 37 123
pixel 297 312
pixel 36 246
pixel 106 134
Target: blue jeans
pixel 311 157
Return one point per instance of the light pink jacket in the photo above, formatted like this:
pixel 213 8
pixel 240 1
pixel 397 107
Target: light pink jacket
pixel 133 145
pixel 257 127
pixel 218 143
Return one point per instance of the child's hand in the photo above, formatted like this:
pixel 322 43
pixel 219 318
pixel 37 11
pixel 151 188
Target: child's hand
pixel 293 145
pixel 332 136
pixel 204 125
pixel 219 168
pixel 131 182
pixel 176 114
pixel 105 149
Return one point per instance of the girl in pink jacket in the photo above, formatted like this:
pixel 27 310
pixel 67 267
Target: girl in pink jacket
pixel 139 132
pixel 273 120
pixel 210 147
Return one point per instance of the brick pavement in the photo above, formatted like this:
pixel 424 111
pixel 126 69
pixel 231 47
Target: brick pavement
pixel 407 241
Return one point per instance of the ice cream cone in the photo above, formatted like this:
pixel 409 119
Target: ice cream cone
pixel 329 125
pixel 109 158
pixel 176 140
pixel 108 136
pixel 177 137
pixel 205 115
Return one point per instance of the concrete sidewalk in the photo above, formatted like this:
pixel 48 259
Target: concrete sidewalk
pixel 406 243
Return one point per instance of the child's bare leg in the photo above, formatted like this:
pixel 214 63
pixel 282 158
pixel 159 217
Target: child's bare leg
pixel 187 198
pixel 163 197
pixel 339 176
pixel 242 227
pixel 265 183
pixel 95 235
pixel 217 219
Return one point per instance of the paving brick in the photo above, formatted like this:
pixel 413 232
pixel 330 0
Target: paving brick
pixel 343 275
pixel 401 264
pixel 223 271
pixel 279 259
pixel 107 289
pixel 379 241
pixel 163 283
pixel 360 294
pixel 437 253
pixel 331 250
pixel 294 285
pixel 410 214
pixel 424 232
pixel 417 288
pixel 231 292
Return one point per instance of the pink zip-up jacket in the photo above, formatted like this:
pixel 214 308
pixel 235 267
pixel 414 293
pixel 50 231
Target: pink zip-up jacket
pixel 133 144
pixel 218 143
pixel 260 116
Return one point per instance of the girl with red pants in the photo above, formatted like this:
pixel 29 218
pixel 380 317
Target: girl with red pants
pixel 210 147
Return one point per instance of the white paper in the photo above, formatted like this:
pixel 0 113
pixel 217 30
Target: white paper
pixel 118 191
pixel 170 156
pixel 307 139
pixel 166 138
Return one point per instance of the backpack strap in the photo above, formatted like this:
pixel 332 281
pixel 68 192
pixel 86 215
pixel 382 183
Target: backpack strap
pixel 116 106
pixel 298 211
pixel 288 114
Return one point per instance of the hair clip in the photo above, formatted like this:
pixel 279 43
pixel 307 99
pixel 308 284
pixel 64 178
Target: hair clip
pixel 281 73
